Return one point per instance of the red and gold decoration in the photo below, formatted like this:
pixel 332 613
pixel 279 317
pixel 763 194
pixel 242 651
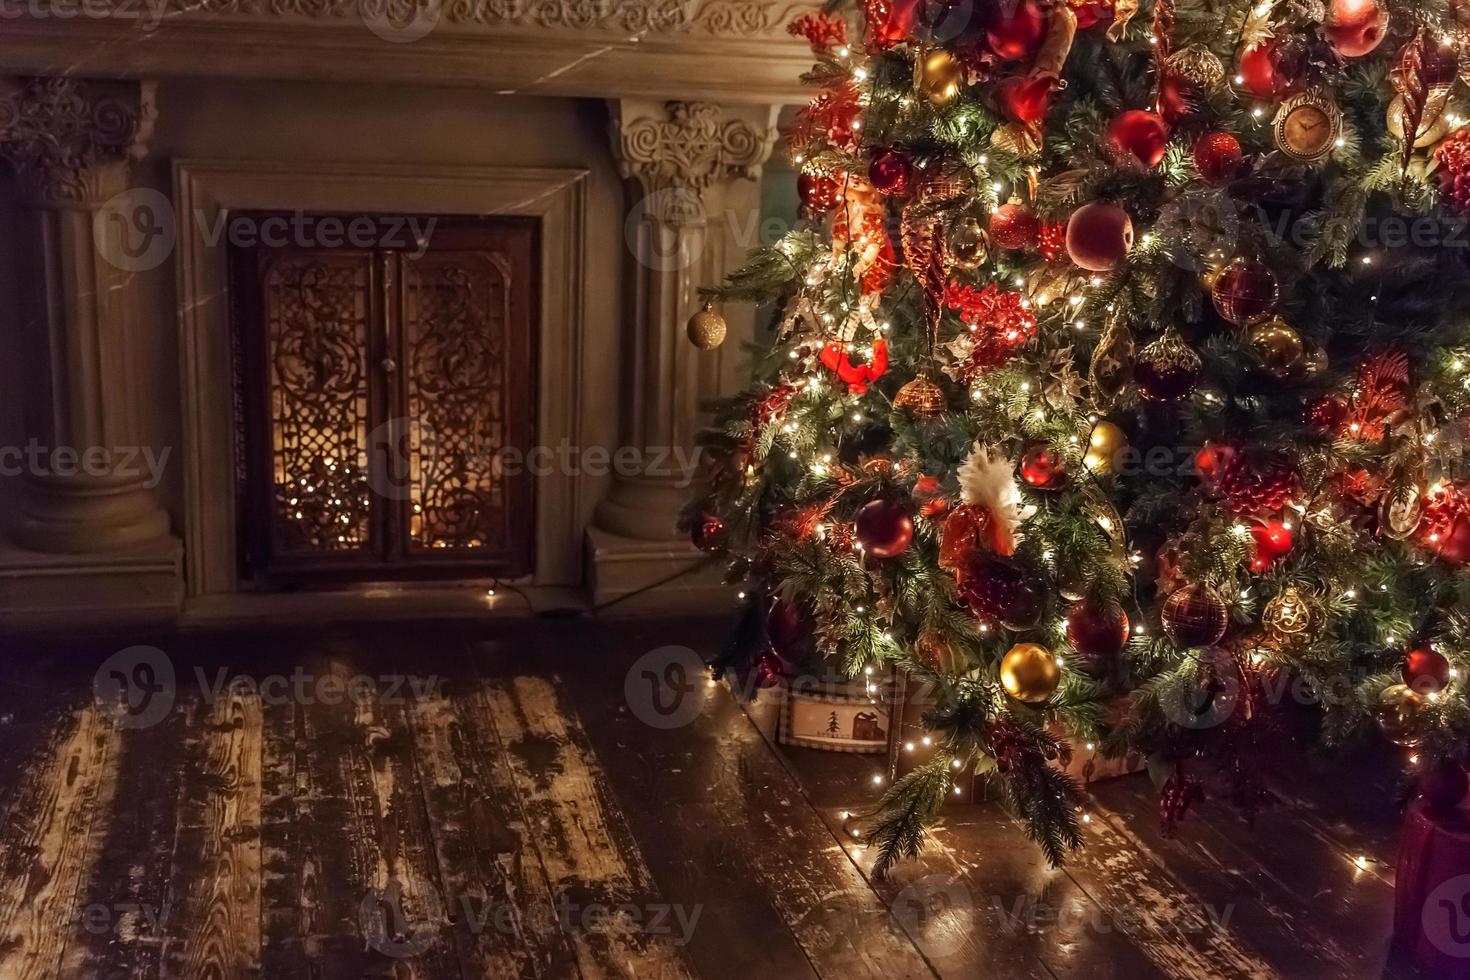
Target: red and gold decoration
pixel 921 397
pixel 938 77
pixel 1291 617
pixel 1042 468
pixel 1218 157
pixel 1445 528
pixel 1355 28
pixel 1268 69
pixel 966 243
pixel 708 533
pixel 1399 714
pixel 1453 156
pixel 1308 126
pixel 890 172
pixel 1013 227
pixel 1274 539
pixel 1194 615
pixel 1257 484
pixel 1030 673
pixel 1105 445
pixel 1278 347
pixel 1140 136
pixel 1168 369
pixel 1098 631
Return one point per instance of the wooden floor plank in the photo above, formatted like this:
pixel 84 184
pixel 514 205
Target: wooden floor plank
pixel 503 907
pixel 580 834
pixel 1235 868
pixel 216 869
pixel 48 849
pixel 127 908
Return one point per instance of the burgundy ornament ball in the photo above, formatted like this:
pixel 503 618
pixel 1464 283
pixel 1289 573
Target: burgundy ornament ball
pixel 1167 369
pixel 1194 615
pixel 1098 631
pixel 1099 236
pixel 884 528
pixel 1426 670
pixel 818 190
pixel 1245 291
pixel 1326 415
pixel 890 172
pixel 1217 157
pixel 787 628
pixel 1264 71
pixel 1140 134
pixel 1005 591
pixel 708 533
pixel 1443 786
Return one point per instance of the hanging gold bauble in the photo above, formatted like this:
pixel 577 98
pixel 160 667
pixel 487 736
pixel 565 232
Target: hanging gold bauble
pixel 938 76
pixel 706 328
pixel 1104 444
pixel 966 243
pixel 1399 713
pixel 1112 364
pixel 1030 673
pixel 1278 347
pixel 922 397
pixel 1291 617
pixel 1434 127
pixel 1197 65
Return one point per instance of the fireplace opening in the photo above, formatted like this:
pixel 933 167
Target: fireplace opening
pixel 384 396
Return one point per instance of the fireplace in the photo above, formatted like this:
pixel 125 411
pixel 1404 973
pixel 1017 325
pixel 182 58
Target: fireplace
pixel 384 379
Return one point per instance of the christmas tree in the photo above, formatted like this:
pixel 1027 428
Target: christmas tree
pixel 1118 390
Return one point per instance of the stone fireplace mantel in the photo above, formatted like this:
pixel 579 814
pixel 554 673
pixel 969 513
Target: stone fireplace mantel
pixel 721 50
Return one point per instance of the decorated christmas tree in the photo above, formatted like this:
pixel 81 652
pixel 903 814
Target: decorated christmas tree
pixel 1118 390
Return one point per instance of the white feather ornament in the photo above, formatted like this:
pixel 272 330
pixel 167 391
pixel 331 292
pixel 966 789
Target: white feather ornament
pixel 989 481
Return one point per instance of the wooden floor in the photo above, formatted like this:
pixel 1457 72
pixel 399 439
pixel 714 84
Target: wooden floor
pixel 505 814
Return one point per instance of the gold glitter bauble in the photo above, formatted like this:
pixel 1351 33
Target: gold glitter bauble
pixel 1432 128
pixel 1030 673
pixel 967 243
pixel 706 328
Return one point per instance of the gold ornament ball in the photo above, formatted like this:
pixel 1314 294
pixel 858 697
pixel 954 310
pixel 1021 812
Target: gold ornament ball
pixel 1278 347
pixel 1291 617
pixel 922 397
pixel 706 328
pixel 1399 713
pixel 1104 444
pixel 1030 673
pixel 938 76
pixel 967 244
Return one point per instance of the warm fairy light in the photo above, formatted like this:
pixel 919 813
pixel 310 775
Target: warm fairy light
pixel 956 763
pixel 878 780
pixel 908 746
pixel 1362 862
pixel 927 740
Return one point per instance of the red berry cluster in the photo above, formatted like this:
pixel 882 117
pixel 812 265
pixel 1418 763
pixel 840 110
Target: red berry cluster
pixel 821 30
pixel 1258 489
pixel 1454 171
pixel 999 324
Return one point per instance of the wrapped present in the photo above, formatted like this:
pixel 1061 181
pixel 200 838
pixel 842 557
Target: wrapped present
pixel 1432 893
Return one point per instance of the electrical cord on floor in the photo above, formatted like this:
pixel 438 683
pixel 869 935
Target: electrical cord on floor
pixel 702 563
pixel 572 613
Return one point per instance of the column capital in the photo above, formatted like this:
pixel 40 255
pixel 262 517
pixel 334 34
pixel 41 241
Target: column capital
pixel 689 146
pixel 70 139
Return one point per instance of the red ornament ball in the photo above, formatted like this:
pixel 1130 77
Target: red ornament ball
pixel 787 628
pixel 1212 459
pixel 1012 227
pixel 818 190
pixel 1003 590
pixel 1426 670
pixel 1098 631
pixel 1042 468
pixel 1051 240
pixel 1178 98
pixel 884 528
pixel 1194 615
pixel 1274 539
pixel 1454 171
pixel 1326 415
pixel 1099 236
pixel 1355 28
pixel 1140 134
pixel 1264 71
pixel 768 669
pixel 1016 30
pixel 1443 786
pixel 890 172
pixel 1445 529
pixel 1024 98
pixel 1217 157
pixel 1245 291
pixel 708 533
pixel 1167 369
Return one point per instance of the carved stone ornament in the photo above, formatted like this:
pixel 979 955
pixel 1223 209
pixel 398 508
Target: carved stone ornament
pixel 690 147
pixel 58 132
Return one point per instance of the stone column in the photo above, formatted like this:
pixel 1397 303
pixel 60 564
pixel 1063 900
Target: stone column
pixel 681 159
pixel 692 170
pixel 88 495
